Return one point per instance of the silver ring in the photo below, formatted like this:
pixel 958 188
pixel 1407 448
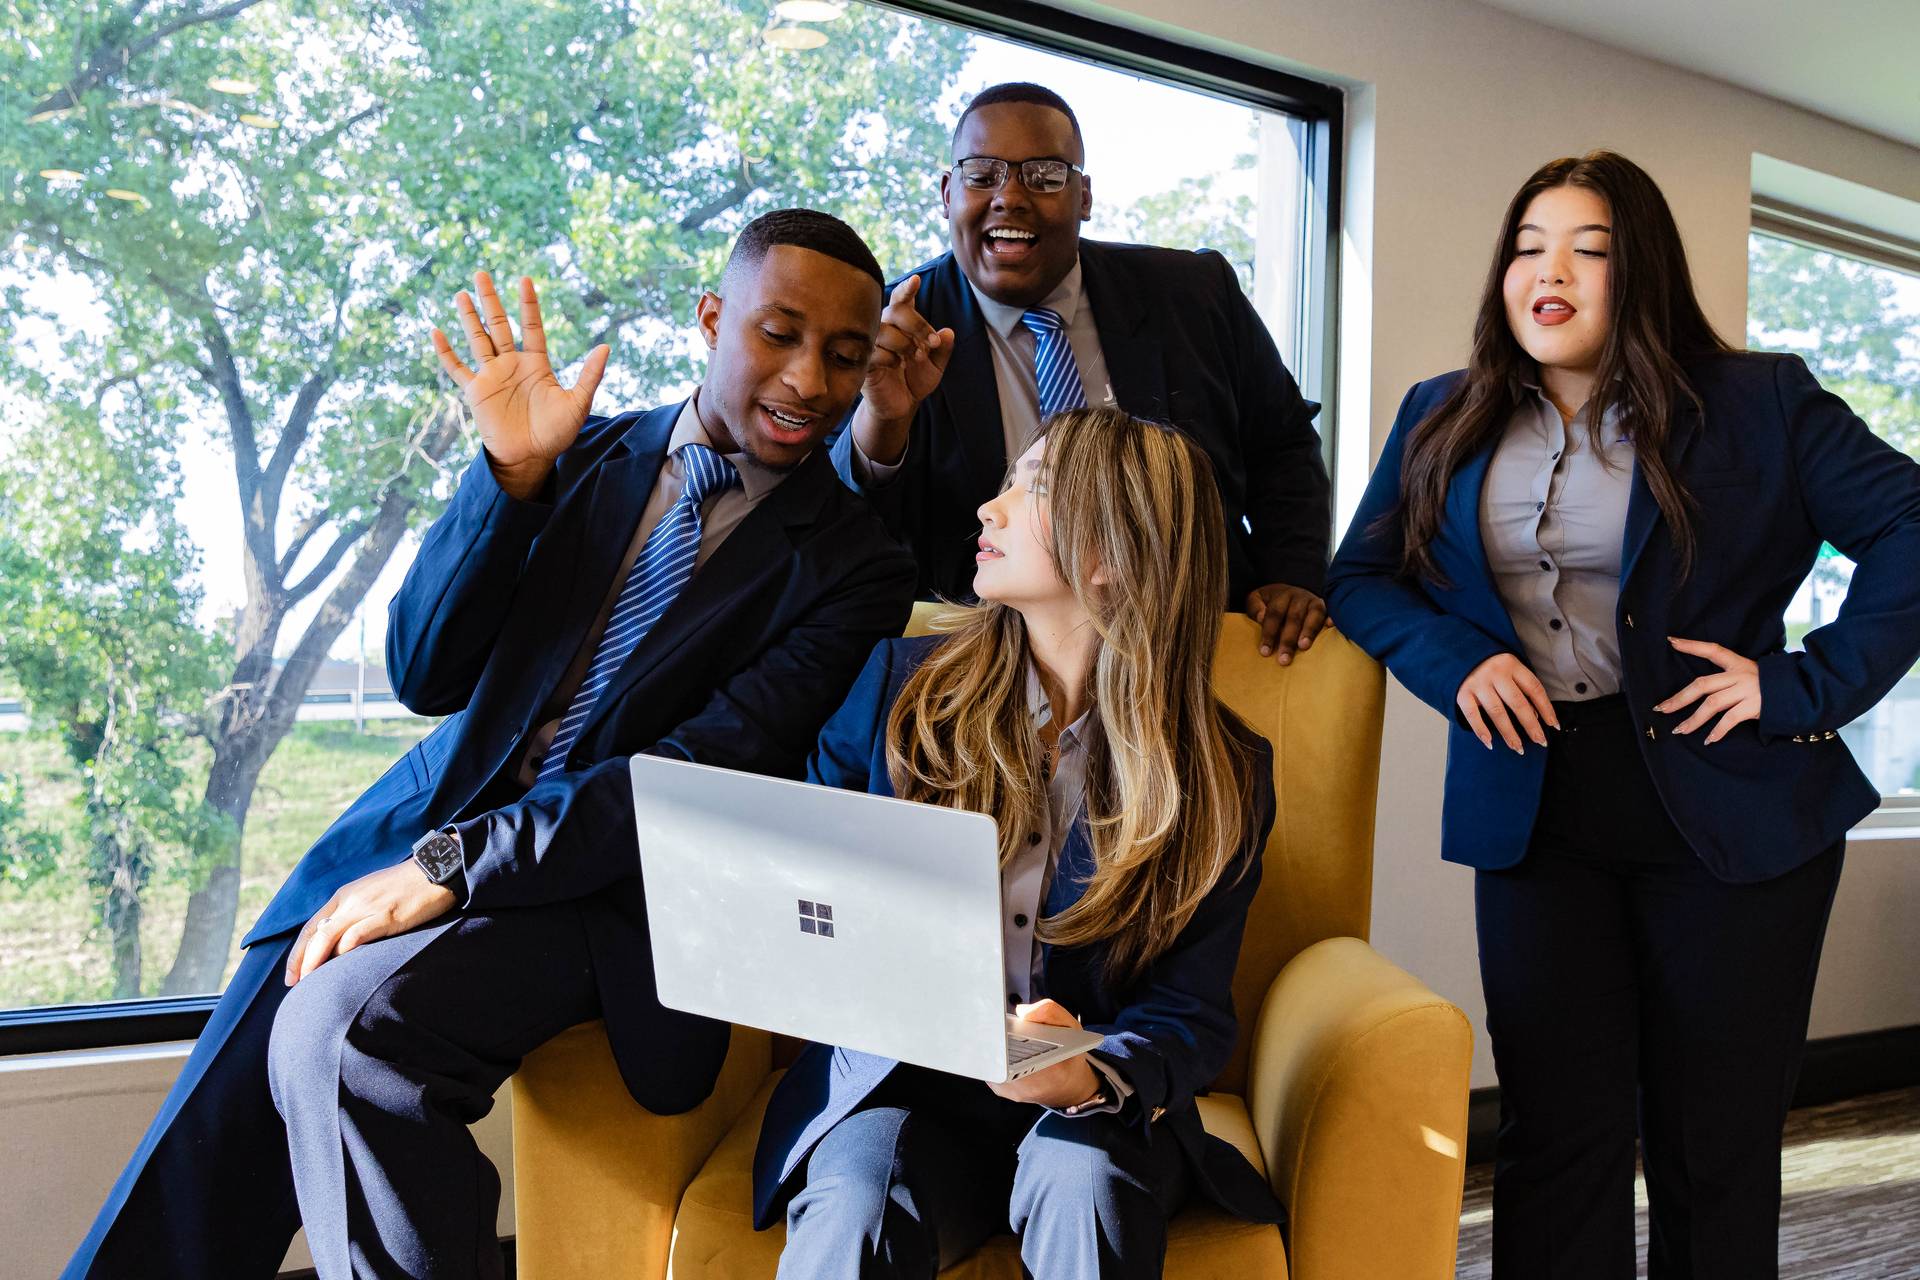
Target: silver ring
pixel 325 919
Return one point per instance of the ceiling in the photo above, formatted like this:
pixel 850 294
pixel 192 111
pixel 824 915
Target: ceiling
pixel 1854 60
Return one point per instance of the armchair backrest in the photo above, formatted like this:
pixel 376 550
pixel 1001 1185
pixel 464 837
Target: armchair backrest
pixel 1323 716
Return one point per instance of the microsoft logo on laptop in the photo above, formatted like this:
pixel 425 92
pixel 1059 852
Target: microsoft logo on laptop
pixel 816 918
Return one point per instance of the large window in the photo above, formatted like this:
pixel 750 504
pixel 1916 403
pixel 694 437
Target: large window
pixel 1852 311
pixel 228 232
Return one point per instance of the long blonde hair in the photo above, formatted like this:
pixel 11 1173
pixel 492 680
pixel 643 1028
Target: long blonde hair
pixel 1169 769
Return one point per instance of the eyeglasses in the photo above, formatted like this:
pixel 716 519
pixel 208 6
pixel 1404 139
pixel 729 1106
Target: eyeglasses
pixel 989 173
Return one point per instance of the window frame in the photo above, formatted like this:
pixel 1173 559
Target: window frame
pixel 1898 815
pixel 1319 107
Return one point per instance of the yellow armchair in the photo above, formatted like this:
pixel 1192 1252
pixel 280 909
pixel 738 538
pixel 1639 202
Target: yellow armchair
pixel 1348 1086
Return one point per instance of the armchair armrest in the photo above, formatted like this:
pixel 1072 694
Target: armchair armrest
pixel 598 1178
pixel 1358 1093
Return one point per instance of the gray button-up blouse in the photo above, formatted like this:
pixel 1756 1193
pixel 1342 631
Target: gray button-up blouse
pixel 1553 515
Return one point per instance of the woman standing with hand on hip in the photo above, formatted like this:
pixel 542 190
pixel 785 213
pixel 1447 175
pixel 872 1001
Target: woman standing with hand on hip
pixel 1580 549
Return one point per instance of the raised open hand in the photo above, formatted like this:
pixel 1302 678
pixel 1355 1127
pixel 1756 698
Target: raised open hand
pixel 526 418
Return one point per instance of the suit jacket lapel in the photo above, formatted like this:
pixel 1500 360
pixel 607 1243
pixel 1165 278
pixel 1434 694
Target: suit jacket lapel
pixel 1463 513
pixel 968 389
pixel 1133 348
pixel 759 548
pixel 1642 511
pixel 622 484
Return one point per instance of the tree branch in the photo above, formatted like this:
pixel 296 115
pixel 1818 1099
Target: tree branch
pixel 383 533
pixel 330 561
pixel 294 433
pixel 312 524
pixel 259 505
pixel 112 54
pixel 736 195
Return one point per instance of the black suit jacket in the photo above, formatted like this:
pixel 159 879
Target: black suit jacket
pixel 1182 345
pixel 740 671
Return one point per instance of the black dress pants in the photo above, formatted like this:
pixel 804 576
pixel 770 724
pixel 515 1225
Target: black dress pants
pixel 1629 989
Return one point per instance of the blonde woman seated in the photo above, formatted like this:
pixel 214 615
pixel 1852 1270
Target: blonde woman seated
pixel 1074 703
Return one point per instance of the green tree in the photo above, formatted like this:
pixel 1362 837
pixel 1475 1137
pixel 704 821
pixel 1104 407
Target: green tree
pixel 274 201
pixel 28 853
pixel 99 631
pixel 1195 214
pixel 1843 317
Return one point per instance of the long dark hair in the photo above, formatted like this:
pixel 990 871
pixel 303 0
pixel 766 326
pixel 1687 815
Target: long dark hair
pixel 1655 324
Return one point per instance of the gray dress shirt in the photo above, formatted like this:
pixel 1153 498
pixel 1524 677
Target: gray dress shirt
pixel 1553 514
pixel 720 515
pixel 1012 345
pixel 1024 880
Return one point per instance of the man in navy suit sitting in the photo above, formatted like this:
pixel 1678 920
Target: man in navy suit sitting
pixel 691 581
pixel 1023 318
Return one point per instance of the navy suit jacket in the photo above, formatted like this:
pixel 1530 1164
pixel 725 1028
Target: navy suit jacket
pixel 1169 1033
pixel 1776 465
pixel 1182 345
pixel 740 671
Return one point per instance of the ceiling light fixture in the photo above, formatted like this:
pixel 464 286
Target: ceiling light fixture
pixel 226 84
pixel 794 37
pixel 809 10
pixel 259 121
pixel 62 175
pixel 131 197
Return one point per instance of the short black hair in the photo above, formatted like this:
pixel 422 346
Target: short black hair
pixel 1021 91
pixel 804 229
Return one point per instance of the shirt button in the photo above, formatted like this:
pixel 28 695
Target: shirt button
pixel 1020 921
pixel 1556 455
pixel 1013 1000
pixel 1546 564
pixel 1539 506
pixel 1554 623
pixel 1580 686
pixel 1033 837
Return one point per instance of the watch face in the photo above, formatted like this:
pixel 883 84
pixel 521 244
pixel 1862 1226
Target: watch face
pixel 439 856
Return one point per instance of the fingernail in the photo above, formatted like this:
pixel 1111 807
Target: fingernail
pixel 1286 659
pixel 1265 650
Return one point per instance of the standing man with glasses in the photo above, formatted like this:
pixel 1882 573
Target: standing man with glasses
pixel 1023 318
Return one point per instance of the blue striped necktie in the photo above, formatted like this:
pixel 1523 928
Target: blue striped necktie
pixel 662 569
pixel 1054 371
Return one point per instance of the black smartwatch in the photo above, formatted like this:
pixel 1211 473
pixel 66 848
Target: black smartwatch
pixel 438 854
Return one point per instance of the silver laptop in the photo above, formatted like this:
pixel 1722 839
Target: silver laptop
pixel 839 917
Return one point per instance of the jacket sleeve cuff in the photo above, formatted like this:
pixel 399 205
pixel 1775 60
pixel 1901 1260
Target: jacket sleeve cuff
pixel 1783 699
pixel 1117 1089
pixel 866 472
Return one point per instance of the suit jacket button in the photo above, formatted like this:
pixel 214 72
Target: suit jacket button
pixel 1157 1113
pixel 1799 737
pixel 1651 735
pixel 1629 620
pixel 1830 734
